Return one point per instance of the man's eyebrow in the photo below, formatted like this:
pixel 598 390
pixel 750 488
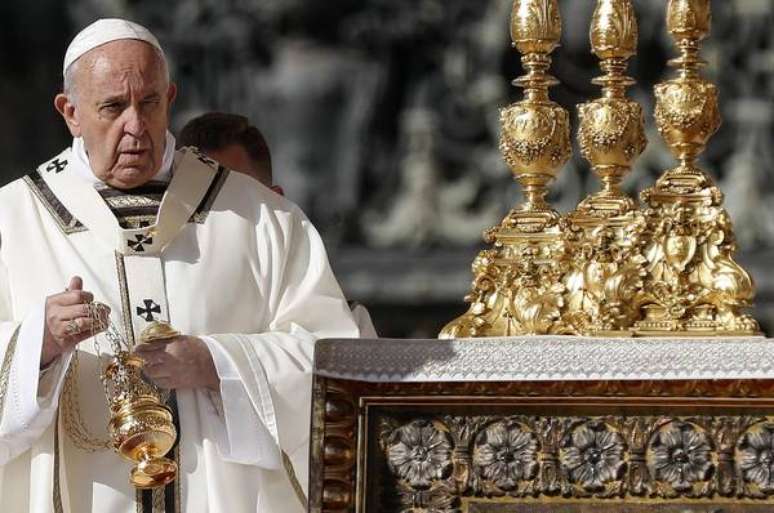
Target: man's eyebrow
pixel 111 99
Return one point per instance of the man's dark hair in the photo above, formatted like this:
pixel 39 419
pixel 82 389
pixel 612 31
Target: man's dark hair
pixel 216 130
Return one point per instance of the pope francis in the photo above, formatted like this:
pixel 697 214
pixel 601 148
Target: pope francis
pixel 122 219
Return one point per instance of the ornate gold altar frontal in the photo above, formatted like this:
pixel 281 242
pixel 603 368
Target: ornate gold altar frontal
pixel 547 424
pixel 611 267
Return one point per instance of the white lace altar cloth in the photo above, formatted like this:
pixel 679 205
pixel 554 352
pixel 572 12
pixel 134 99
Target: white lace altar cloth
pixel 545 358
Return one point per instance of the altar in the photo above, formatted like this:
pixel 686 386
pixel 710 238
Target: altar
pixel 606 362
pixel 543 425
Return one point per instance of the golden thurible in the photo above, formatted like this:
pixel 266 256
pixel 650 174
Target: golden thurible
pixel 141 427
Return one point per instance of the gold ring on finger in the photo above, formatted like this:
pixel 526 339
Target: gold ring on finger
pixel 72 327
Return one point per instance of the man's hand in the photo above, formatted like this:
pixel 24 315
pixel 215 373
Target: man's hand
pixel 68 321
pixel 180 362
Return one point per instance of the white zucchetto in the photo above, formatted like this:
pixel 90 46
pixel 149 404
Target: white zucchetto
pixel 104 31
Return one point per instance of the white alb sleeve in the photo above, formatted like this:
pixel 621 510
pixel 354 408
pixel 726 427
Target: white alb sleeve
pixel 28 397
pixel 243 438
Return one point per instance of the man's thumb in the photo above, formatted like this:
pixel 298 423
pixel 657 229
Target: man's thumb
pixel 76 283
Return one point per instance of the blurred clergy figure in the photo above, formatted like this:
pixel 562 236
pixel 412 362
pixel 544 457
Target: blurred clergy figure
pixel 122 218
pixel 231 140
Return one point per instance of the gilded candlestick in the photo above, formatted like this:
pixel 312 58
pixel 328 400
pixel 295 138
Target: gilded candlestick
pixel 694 286
pixel 606 231
pixel 517 289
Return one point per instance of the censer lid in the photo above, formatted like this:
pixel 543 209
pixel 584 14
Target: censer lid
pixel 158 330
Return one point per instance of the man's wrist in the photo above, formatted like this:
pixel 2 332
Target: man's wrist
pixel 213 383
pixel 48 356
pixel 214 386
pixel 46 363
pixel 208 375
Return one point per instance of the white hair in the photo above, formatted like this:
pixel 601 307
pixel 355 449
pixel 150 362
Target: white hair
pixel 69 82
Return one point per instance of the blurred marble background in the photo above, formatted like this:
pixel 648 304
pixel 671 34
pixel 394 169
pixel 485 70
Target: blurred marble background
pixel 382 118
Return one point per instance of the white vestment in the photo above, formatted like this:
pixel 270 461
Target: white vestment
pixel 227 260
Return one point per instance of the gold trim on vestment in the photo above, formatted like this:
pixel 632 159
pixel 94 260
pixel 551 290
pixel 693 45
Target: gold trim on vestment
pixel 5 370
pixel 158 500
pixel 291 473
pixel 177 483
pixel 137 222
pixel 57 491
pixel 61 214
pixel 126 311
pixel 73 227
pixel 138 201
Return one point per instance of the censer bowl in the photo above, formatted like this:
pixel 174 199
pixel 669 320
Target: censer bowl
pixel 142 430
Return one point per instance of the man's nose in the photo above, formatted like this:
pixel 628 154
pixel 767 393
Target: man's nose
pixel 134 123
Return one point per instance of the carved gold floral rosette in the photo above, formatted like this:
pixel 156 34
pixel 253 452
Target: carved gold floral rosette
pixel 653 461
pixel 693 284
pixel 517 287
pixel 606 231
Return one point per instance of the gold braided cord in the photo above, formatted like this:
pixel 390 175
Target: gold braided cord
pixel 75 426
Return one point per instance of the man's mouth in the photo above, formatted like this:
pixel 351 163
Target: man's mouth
pixel 127 156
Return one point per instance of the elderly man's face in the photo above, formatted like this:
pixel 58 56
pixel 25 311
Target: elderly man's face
pixel 120 107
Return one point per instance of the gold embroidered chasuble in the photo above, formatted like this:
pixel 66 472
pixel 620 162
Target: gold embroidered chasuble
pixel 224 259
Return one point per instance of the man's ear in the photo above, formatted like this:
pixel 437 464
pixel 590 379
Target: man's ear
pixel 69 113
pixel 171 93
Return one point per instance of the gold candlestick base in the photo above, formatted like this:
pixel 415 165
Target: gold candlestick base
pixel 693 285
pixel 517 288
